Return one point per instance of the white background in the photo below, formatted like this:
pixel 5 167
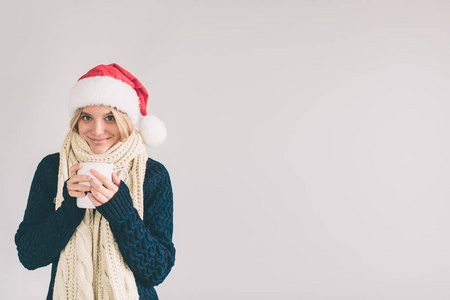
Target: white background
pixel 308 140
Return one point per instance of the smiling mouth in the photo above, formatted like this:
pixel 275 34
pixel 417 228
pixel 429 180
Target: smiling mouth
pixel 99 141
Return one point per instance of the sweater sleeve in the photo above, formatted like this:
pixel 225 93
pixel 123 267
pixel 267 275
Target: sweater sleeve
pixel 146 245
pixel 44 232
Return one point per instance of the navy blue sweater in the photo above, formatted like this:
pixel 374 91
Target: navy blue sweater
pixel 146 245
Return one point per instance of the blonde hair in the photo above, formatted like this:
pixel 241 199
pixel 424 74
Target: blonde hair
pixel 123 122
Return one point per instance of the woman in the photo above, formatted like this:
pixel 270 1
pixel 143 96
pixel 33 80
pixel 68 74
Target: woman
pixel 123 248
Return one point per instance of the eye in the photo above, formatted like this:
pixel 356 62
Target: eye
pixel 109 118
pixel 86 118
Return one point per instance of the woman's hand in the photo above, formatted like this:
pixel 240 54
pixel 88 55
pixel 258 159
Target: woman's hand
pixel 73 187
pixel 100 194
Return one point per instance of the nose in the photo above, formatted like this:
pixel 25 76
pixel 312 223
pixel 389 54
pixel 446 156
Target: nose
pixel 98 128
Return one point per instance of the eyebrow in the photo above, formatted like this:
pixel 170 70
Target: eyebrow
pixel 107 114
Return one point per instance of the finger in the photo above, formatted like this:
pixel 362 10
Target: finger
pixel 76 194
pixel 115 179
pixel 94 201
pixel 99 196
pixel 103 179
pixel 98 189
pixel 73 169
pixel 78 187
pixel 78 181
pixel 96 185
pixel 79 178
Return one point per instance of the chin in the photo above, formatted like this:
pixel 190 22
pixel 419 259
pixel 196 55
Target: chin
pixel 99 150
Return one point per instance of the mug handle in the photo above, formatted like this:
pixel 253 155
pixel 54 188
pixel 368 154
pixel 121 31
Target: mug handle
pixel 122 169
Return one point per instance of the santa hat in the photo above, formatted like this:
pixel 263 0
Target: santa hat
pixel 112 85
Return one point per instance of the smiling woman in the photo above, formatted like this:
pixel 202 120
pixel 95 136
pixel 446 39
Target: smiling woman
pixel 123 247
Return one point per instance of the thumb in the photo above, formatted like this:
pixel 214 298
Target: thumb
pixel 115 179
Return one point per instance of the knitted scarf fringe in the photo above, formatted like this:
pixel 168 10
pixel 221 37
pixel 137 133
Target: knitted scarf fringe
pixel 91 265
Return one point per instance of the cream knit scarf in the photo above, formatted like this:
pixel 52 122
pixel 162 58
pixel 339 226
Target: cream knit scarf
pixel 91 265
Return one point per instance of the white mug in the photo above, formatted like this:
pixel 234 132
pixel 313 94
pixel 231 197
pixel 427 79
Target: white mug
pixel 103 168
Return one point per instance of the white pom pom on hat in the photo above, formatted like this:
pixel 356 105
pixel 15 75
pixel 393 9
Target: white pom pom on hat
pixel 152 130
pixel 112 85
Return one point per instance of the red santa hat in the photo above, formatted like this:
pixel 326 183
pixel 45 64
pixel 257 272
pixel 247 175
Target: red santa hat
pixel 112 85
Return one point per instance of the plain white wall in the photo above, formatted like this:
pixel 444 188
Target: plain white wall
pixel 308 140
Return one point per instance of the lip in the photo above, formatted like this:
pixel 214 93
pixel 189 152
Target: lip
pixel 99 141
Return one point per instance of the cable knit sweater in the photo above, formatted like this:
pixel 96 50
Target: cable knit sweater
pixel 146 245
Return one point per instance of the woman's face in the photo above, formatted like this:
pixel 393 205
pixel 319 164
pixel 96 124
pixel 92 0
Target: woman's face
pixel 98 128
